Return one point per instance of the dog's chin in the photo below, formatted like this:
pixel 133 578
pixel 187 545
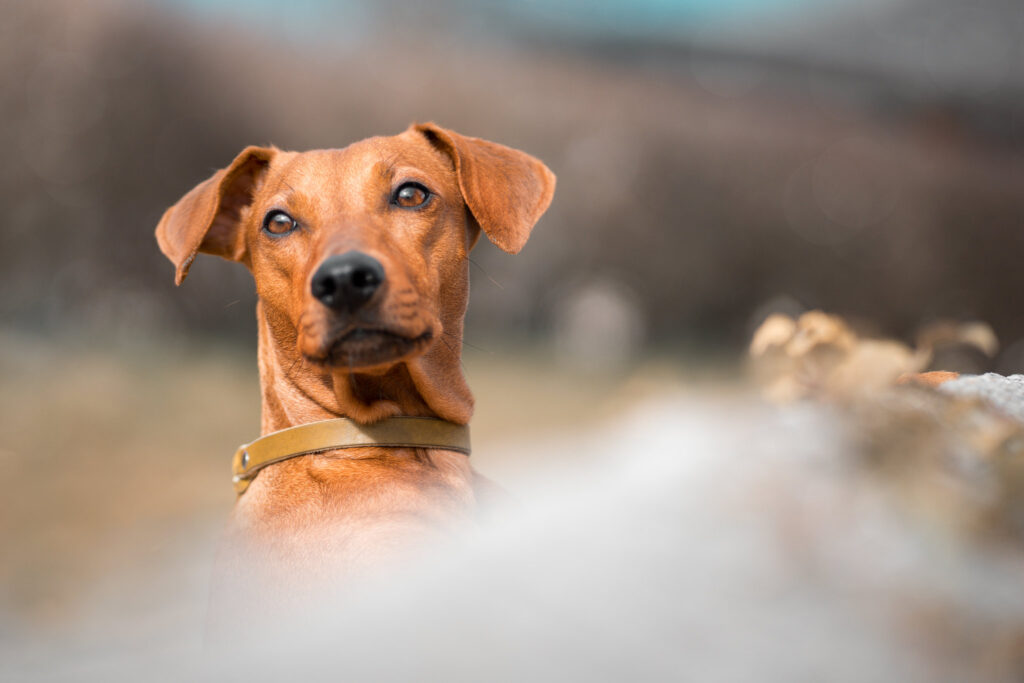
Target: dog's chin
pixel 367 348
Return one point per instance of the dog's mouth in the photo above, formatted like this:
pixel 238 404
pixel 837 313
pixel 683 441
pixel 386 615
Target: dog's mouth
pixel 364 347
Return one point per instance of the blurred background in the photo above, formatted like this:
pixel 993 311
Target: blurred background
pixel 714 158
pixel 718 160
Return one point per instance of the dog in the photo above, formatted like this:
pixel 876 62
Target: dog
pixel 360 258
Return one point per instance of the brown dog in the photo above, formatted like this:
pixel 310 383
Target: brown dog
pixel 360 257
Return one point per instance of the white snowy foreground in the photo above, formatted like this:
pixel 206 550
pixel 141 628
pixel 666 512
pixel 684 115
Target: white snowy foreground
pixel 705 539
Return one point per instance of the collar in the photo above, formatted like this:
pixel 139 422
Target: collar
pixel 340 433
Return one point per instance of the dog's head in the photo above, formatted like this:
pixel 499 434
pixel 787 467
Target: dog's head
pixel 360 254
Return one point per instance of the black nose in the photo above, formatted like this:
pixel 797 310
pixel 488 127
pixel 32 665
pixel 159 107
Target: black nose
pixel 348 281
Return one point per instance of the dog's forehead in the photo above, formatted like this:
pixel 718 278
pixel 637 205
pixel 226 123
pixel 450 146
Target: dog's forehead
pixel 365 162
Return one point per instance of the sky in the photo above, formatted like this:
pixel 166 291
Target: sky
pixel 660 18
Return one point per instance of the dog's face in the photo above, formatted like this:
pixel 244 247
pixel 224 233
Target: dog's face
pixel 355 246
pixel 360 254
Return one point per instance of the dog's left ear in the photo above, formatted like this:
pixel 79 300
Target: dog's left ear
pixel 506 190
pixel 208 218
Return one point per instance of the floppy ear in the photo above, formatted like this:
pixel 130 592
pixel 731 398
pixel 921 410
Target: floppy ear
pixel 506 190
pixel 208 218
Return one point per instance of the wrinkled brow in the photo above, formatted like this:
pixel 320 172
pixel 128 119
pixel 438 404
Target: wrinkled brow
pixel 300 204
pixel 386 168
pixel 285 196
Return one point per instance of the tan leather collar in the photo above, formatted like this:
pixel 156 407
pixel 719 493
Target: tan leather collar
pixel 339 433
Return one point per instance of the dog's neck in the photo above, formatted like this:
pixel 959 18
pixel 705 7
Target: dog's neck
pixel 297 392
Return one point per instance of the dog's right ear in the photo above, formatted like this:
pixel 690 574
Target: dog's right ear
pixel 208 218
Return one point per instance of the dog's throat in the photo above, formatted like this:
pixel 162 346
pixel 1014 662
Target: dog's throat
pixel 365 396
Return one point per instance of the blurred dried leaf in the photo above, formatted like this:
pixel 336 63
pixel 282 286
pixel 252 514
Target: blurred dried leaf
pixel 946 332
pixel 774 333
pixel 957 459
pixel 820 355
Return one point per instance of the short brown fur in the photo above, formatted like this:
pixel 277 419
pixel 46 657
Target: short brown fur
pixel 338 512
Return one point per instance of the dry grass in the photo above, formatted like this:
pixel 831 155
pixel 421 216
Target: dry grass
pixel 117 457
pixel 115 462
pixel 111 458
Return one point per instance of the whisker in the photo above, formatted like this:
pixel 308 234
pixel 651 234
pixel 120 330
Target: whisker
pixel 452 351
pixel 486 274
pixel 462 363
pixel 465 343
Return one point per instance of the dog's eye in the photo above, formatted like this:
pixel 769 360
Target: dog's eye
pixel 277 222
pixel 411 195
